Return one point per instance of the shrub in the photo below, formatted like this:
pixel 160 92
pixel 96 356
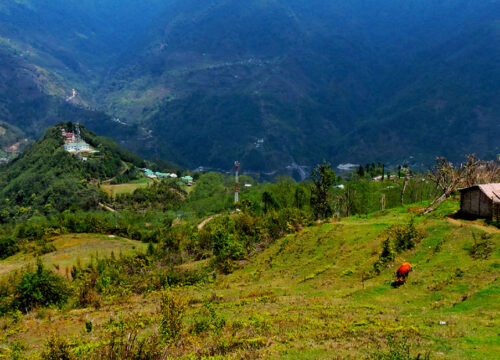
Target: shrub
pixel 121 346
pixel 226 250
pixel 399 238
pixel 8 247
pixel 40 288
pixel 285 221
pixel 87 292
pixel 482 248
pixel 7 290
pixel 172 309
pixel 399 349
pixel 208 319
pixel 88 326
pixel 175 278
pixel 405 237
pixel 57 348
pixel 45 248
pixel 386 256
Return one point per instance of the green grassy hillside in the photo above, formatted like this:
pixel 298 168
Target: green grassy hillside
pixel 309 289
pixel 69 249
pixel 304 297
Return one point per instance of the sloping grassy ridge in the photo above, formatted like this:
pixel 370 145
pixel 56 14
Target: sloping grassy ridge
pixel 304 297
pixel 310 291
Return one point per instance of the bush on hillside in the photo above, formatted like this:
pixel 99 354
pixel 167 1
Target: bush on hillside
pixel 40 288
pixel 108 276
pixel 208 319
pixel 8 247
pixel 118 345
pixel 172 309
pixel 399 238
pixel 183 278
pixel 7 291
pixel 226 250
pixel 57 348
pixel 404 237
pixel 387 255
pixel 87 290
pixel 483 247
pixel 398 349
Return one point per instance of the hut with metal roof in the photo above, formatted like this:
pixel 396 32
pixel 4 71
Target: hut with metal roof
pixel 481 201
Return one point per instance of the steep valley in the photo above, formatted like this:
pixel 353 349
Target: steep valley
pixel 199 83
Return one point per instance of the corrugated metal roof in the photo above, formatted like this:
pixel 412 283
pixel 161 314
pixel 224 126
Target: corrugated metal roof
pixel 491 190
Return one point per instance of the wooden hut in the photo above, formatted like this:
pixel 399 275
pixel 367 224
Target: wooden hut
pixel 482 201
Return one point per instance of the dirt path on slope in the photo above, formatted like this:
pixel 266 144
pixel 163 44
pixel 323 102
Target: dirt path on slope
pixel 204 222
pixel 106 207
pixel 488 229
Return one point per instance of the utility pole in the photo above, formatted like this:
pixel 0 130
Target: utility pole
pixel 236 182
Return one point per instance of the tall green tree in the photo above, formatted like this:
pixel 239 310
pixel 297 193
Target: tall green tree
pixel 269 201
pixel 299 197
pixel 323 178
pixel 361 171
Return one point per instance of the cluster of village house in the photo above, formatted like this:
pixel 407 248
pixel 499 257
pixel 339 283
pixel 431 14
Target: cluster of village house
pixel 159 175
pixel 73 143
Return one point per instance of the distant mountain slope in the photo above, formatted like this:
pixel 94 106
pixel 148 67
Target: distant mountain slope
pixel 205 82
pixel 246 71
pixel 449 105
pixel 316 80
pixel 11 140
pixel 25 104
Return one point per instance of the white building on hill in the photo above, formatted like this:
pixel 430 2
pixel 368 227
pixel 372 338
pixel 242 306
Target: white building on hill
pixel 77 147
pixel 73 143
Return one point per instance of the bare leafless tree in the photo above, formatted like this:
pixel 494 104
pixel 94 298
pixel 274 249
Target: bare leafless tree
pixel 449 178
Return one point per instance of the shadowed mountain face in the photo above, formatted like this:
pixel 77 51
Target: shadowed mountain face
pixel 271 82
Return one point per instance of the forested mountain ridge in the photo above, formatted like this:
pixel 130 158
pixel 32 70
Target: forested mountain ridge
pixel 46 178
pixel 273 82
